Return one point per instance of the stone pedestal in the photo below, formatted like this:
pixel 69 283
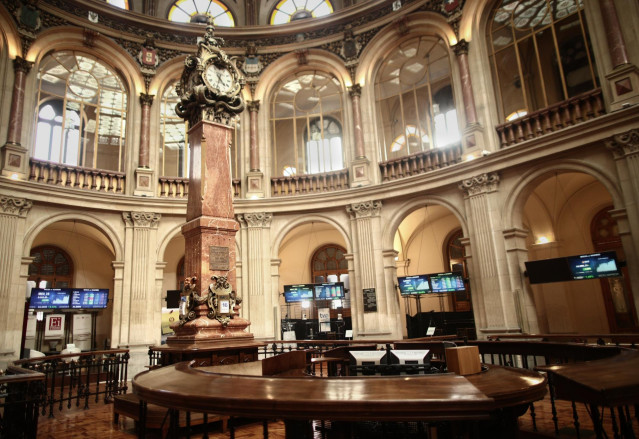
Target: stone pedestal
pixel 624 85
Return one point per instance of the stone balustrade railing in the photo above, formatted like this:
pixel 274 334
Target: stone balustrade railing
pixel 173 187
pixel 420 162
pixel 309 184
pixel 548 120
pixel 58 174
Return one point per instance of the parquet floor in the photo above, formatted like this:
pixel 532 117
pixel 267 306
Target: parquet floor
pixel 97 422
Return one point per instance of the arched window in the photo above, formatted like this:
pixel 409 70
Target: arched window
pixel 290 10
pixel 81 113
pixel 414 94
pixel 51 267
pixel 306 117
pixel 329 264
pixel 198 11
pixel 122 4
pixel 540 54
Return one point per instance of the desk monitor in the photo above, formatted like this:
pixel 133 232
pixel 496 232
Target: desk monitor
pixel 409 356
pixel 446 282
pixel 50 298
pixel 298 293
pixel 329 291
pixel 410 285
pixel 89 298
pixel 594 266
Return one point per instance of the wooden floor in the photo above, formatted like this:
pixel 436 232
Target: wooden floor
pixel 97 422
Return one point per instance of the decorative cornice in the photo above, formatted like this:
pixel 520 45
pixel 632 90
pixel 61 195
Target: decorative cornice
pixel 480 184
pixel 259 219
pixel 364 210
pixel 146 99
pixel 141 219
pixel 624 144
pixel 15 206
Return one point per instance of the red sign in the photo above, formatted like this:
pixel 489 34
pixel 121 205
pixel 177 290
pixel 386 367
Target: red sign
pixel 55 323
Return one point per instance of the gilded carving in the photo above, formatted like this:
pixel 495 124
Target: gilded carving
pixel 219 299
pixel 480 184
pixel 141 219
pixel 15 206
pixel 624 144
pixel 365 209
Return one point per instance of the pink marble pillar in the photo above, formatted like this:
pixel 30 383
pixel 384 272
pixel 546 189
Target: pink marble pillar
pixel 616 45
pixel 461 50
pixel 355 91
pixel 254 108
pixel 21 68
pixel 146 101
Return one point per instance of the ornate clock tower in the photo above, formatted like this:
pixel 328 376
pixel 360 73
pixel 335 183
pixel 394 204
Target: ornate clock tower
pixel 210 92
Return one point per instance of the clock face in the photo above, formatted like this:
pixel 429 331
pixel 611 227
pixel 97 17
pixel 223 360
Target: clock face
pixel 219 78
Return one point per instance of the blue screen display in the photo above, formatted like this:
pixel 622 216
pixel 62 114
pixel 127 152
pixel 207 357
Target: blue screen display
pixel 593 266
pixel 418 284
pixel 49 298
pixel 329 291
pixel 89 298
pixel 446 282
pixel 298 293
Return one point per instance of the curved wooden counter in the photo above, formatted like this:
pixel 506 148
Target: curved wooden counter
pixel 397 398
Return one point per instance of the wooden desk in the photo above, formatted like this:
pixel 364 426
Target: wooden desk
pixel 208 354
pixel 498 393
pixel 610 382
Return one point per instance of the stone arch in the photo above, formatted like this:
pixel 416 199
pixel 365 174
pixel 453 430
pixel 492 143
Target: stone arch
pixel 9 35
pixel 168 237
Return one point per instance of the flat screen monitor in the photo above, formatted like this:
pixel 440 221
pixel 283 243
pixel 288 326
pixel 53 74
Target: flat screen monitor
pixel 50 298
pixel 329 291
pixel 409 285
pixel 446 282
pixel 594 266
pixel 548 270
pixel 89 298
pixel 298 293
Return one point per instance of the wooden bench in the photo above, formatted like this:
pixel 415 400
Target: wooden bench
pixel 157 416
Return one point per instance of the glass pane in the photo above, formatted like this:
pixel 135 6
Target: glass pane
pixel 284 145
pixel 550 69
pixel 509 81
pixel 574 56
pixel 532 83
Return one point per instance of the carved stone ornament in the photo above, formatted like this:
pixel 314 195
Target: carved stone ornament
pixel 141 219
pixel 261 219
pixel 624 144
pixel 480 184
pixel 219 299
pixel 15 206
pixel 211 84
pixel 365 209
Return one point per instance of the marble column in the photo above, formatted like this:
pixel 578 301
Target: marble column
pixel 14 155
pixel 492 294
pixel 13 213
pixel 616 44
pixel 472 133
pixel 254 158
pixel 143 173
pixel 140 235
pixel 257 225
pixel 355 92
pixel 120 318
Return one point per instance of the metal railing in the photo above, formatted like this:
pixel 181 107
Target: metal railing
pixel 22 393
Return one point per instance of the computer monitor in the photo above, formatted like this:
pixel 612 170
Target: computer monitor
pixel 446 282
pixel 298 293
pixel 409 285
pixel 594 266
pixel 89 298
pixel 329 291
pixel 50 298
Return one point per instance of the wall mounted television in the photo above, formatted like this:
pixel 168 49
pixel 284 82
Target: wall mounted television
pixel 409 285
pixel 298 293
pixel 49 298
pixel 89 298
pixel 579 267
pixel 446 282
pixel 329 291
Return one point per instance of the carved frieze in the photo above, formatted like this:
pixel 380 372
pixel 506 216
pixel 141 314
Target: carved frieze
pixel 141 219
pixel 365 209
pixel 624 144
pixel 15 206
pixel 258 219
pixel 480 184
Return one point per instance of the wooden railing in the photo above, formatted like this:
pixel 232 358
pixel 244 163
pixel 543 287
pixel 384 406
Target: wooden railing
pixel 80 378
pixel 420 162
pixel 59 174
pixel 178 187
pixel 21 395
pixel 309 184
pixel 554 118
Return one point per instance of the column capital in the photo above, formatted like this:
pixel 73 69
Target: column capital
pixel 15 206
pixel 146 99
pixel 461 48
pixel 364 210
pixel 21 65
pixel 355 90
pixel 141 219
pixel 256 219
pixel 253 106
pixel 624 144
pixel 480 184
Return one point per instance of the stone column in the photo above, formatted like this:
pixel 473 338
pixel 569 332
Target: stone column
pixel 120 317
pixel 472 133
pixel 143 174
pixel 14 155
pixel 357 312
pixel 140 234
pixel 13 213
pixel 624 77
pixel 360 166
pixel 255 177
pixel 625 149
pixel 494 301
pixel 257 225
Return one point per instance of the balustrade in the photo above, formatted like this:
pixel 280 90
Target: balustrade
pixel 309 184
pixel 173 187
pixel 548 120
pixel 421 162
pixel 59 174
